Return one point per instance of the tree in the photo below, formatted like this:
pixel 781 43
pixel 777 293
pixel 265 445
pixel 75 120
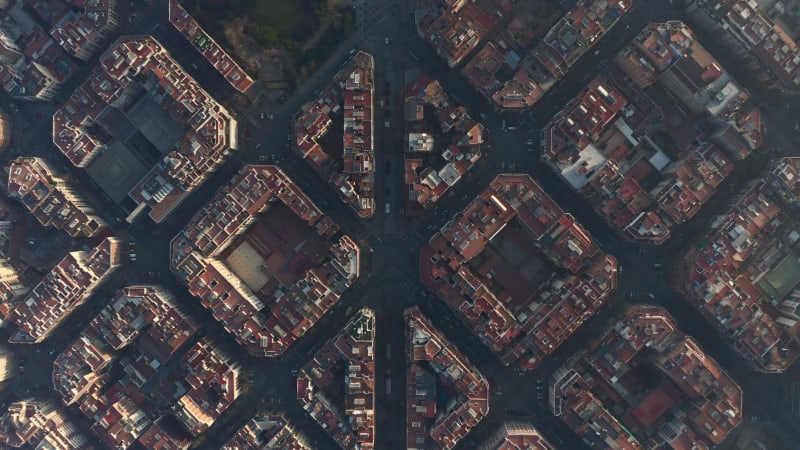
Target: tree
pixel 267 36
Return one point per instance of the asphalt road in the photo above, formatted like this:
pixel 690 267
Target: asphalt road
pixel 390 242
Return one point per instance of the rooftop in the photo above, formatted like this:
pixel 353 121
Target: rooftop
pixel 263 309
pixel 458 141
pixel 208 47
pixel 350 169
pixel 720 274
pixel 515 307
pixel 429 354
pixel 694 402
pixel 267 431
pixel 517 436
pixel 68 285
pixel 147 314
pixel 759 36
pixel 552 57
pixel 136 66
pixel 348 358
pixel 50 198
pixel 39 423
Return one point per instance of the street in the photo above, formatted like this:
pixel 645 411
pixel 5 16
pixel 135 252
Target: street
pixel 389 281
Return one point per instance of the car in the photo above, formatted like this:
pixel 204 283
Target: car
pixel 387 41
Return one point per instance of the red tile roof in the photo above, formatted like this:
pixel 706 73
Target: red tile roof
pixel 426 345
pixel 719 274
pixel 351 424
pixel 353 173
pixel 210 137
pixel 514 327
pixel 208 47
pixel 698 400
pixel 68 285
pixel 264 324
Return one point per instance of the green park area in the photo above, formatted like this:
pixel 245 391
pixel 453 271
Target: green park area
pixel 302 32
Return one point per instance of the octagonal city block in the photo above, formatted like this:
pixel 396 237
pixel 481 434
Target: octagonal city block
pixel 521 272
pixel 264 260
pixel 646 385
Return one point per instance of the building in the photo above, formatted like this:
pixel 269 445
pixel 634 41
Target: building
pixel 434 421
pixel 580 29
pixel 208 47
pixel 164 435
pixel 39 424
pixel 358 158
pixel 137 78
pixel 32 65
pixel 458 140
pixel 141 312
pixel 7 366
pixel 6 133
pixel 741 274
pixel 142 375
pixel 741 136
pixel 520 271
pixel 688 71
pixel 302 270
pixel 12 288
pixel 686 401
pixel 267 431
pixel 517 436
pixel 455 28
pixel 50 199
pixel 759 39
pixel 68 285
pixel 214 382
pixel 79 27
pixel 352 173
pixel 628 145
pixel 347 359
pixel 690 182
